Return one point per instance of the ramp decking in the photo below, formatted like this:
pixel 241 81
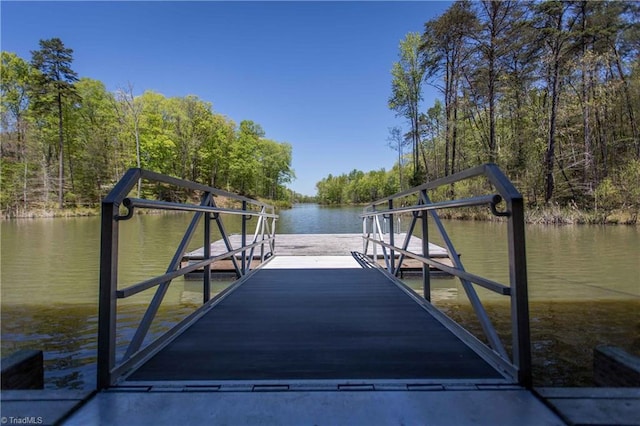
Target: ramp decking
pixel 301 324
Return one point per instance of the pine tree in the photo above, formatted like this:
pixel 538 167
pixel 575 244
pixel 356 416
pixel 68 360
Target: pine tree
pixel 56 79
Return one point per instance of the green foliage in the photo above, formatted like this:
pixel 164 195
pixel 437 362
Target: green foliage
pixel 179 136
pixel 550 91
pixel 356 187
pixel 52 90
pixel 53 61
pixel 9 182
pixel 95 128
pixel 16 74
pixel 406 91
pixel 607 195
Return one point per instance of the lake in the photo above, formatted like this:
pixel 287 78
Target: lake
pixel 584 285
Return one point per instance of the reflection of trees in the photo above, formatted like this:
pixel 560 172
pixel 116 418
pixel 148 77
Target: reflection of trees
pixel 563 334
pixel 66 333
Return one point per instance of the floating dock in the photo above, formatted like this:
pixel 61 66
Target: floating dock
pixel 319 245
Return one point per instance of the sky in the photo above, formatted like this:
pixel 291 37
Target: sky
pixel 314 74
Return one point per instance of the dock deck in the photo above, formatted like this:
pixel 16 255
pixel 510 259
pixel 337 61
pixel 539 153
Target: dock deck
pixel 319 245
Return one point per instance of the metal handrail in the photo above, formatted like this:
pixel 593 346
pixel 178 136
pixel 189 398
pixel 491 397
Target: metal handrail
pixel 476 279
pixel 492 199
pixel 147 284
pixel 131 203
pixel 520 361
pixel 109 371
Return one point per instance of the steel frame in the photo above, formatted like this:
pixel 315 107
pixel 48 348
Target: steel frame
pixel 109 370
pixel 519 364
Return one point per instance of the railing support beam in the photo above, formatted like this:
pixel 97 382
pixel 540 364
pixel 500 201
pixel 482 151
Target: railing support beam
pixel 152 309
pixel 107 311
pixel 206 279
pixel 244 238
pixel 426 276
pixel 519 293
pixel 392 257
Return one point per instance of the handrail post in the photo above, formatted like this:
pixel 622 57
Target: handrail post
pixel 426 276
pixel 364 232
pixel 272 244
pixel 391 240
pixel 519 293
pixel 206 282
pixel 374 228
pixel 107 308
pixel 244 239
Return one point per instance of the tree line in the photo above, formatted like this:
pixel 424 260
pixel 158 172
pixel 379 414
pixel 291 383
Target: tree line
pixel 550 91
pixel 67 140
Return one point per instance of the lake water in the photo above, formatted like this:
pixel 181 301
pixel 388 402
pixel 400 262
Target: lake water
pixel 584 284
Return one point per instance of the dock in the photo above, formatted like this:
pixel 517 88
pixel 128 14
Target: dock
pixel 318 245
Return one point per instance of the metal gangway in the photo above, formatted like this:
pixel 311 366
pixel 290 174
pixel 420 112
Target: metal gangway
pixel 301 344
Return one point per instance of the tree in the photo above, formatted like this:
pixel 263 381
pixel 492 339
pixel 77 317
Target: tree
pixel 215 149
pixel 96 128
pixel 133 109
pixel 494 43
pixel 406 92
pixel 431 125
pixel 397 142
pixel 445 53
pixel 157 140
pixel 53 60
pixel 17 75
pixel 556 27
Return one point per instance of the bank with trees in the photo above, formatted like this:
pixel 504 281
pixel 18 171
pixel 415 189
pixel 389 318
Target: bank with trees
pixel 550 91
pixel 66 139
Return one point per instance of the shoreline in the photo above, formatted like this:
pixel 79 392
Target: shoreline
pixel 51 213
pixel 554 215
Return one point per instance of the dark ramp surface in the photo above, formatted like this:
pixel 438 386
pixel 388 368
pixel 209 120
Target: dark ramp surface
pixel 316 324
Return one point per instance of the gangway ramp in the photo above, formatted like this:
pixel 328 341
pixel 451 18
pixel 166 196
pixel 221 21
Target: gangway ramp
pixel 319 324
pixel 334 344
pixel 314 340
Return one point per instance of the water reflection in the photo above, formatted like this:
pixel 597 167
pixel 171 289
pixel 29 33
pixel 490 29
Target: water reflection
pixel 315 219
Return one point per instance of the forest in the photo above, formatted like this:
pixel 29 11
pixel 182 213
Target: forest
pixel 549 91
pixel 67 140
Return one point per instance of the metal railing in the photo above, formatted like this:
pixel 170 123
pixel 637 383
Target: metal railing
pixel 519 364
pixel 109 369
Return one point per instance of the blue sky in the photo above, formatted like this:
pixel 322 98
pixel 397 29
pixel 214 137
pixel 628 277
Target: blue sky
pixel 314 74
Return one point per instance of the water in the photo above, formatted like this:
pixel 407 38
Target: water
pixel 584 285
pixel 315 219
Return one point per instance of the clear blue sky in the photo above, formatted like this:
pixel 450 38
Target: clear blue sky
pixel 314 74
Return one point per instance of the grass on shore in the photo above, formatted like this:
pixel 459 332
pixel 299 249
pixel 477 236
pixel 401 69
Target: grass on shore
pixel 551 215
